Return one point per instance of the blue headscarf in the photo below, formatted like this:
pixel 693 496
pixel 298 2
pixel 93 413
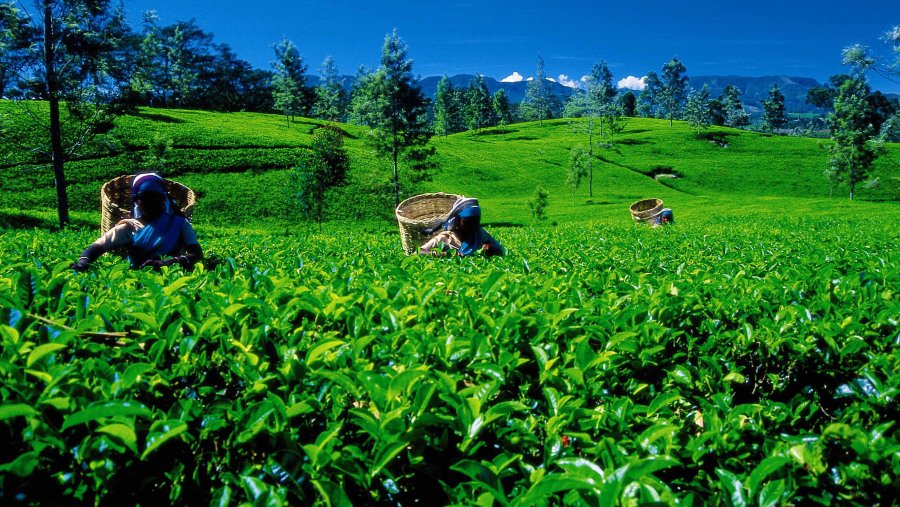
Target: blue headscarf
pixel 160 236
pixel 473 242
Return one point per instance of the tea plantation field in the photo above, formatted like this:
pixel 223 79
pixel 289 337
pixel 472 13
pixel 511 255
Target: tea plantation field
pixel 724 360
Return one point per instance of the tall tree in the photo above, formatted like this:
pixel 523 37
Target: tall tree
pixel 597 107
pixel 186 57
pixel 773 116
pixel 182 74
pixel 331 98
pixel 502 108
pixel 734 114
pixel 697 110
pixel 674 89
pixel 854 149
pixel 445 109
pixel 392 104
pixel 289 79
pixel 73 63
pixel 882 107
pixel 365 99
pixel 648 102
pixel 180 65
pixel 147 78
pixel 537 95
pixel 479 108
pixel 601 90
pixel 228 87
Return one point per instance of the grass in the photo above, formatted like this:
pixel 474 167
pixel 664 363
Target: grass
pixel 754 173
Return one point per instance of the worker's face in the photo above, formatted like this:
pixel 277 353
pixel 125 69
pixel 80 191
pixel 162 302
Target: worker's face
pixel 468 224
pixel 151 204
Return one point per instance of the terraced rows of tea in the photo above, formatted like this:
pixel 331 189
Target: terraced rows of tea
pixel 729 362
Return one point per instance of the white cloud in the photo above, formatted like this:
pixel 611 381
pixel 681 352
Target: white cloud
pixel 530 79
pixel 633 83
pixel 551 79
pixel 515 77
pixel 584 79
pixel 565 81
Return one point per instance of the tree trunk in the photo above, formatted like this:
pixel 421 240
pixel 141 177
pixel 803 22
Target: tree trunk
pixel 395 148
pixel 396 181
pixel 62 197
pixel 591 159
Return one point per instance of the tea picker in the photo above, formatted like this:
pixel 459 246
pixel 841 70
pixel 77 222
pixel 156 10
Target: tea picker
pixel 152 227
pixel 652 212
pixel 440 224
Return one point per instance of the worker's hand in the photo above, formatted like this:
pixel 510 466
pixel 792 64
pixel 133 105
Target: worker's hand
pixel 154 263
pixel 80 266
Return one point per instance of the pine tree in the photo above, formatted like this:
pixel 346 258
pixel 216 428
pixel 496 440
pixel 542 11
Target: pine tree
pixel 289 79
pixel 697 110
pixel 537 95
pixel 773 116
pixel 442 108
pixel 734 114
pixel 182 75
pixel 502 109
pixel 648 102
pixel 391 103
pixel 448 109
pixel 331 98
pixel 479 108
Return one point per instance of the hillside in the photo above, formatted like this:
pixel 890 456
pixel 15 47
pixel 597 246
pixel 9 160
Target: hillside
pixel 240 165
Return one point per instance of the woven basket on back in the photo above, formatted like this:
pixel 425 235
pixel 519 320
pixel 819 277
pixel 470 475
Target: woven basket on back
pixel 647 208
pixel 422 212
pixel 115 200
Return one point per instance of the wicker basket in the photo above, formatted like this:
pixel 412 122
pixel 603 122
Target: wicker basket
pixel 115 200
pixel 422 212
pixel 645 209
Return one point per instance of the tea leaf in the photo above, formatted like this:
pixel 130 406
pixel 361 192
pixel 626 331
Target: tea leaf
pixel 104 410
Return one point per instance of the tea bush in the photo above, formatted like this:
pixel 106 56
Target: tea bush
pixel 724 362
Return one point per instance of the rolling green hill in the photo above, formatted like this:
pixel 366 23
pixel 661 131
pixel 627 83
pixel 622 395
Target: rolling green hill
pixel 240 162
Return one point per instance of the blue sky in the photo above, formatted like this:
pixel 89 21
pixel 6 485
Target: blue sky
pixel 500 38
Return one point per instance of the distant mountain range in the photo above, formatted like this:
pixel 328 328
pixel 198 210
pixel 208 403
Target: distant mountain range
pixel 753 89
